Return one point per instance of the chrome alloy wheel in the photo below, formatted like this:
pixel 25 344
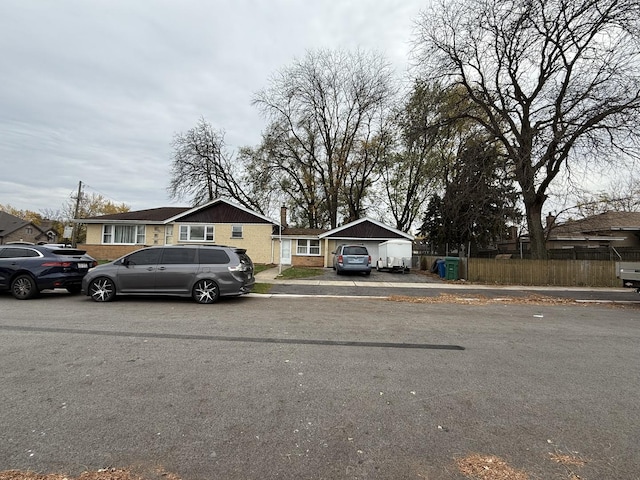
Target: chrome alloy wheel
pixel 206 291
pixel 102 290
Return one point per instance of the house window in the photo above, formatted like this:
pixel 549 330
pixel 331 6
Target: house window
pixel 236 231
pixel 123 234
pixel 308 247
pixel 28 230
pixel 196 233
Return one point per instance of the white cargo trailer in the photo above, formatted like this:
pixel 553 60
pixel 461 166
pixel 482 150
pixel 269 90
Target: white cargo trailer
pixel 394 255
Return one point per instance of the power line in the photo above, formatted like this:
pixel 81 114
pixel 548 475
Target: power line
pixel 95 190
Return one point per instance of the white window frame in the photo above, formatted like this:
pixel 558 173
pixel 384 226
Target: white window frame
pixel 110 230
pixel 306 248
pixel 235 229
pixel 185 234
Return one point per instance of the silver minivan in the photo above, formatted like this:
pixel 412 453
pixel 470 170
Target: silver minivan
pixel 352 258
pixel 203 272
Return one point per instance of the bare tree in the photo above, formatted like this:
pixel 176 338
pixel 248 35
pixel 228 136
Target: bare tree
pixel 556 81
pixel 622 195
pixel 324 112
pixel 423 143
pixel 203 170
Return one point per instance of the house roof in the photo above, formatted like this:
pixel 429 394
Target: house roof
pixel 604 223
pixel 302 232
pixel 10 223
pixel 160 215
pixel 365 228
pixel 216 211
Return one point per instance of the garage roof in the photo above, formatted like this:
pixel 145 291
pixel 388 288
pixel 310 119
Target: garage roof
pixel 365 229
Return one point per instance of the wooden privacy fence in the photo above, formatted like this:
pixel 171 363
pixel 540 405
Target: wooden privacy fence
pixel 562 273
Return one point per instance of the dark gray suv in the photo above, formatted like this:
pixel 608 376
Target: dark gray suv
pixel 204 272
pixel 25 270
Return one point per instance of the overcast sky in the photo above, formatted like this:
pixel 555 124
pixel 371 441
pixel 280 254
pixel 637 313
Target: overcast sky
pixel 94 90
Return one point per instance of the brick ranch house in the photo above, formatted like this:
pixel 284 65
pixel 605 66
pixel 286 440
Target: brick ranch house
pixel 221 221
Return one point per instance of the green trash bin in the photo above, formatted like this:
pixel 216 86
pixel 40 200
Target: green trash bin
pixel 451 268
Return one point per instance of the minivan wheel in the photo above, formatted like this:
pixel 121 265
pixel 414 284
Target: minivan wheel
pixel 24 287
pixel 102 289
pixel 205 291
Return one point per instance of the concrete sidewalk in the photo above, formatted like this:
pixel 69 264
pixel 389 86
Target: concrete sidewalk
pixel 271 276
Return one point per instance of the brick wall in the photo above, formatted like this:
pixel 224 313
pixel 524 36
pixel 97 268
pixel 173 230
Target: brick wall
pixel 300 261
pixel 108 252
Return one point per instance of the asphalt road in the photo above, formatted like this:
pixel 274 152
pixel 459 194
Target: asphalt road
pixel 317 388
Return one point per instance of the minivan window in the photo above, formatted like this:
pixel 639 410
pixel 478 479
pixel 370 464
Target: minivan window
pixel 355 251
pixel 144 257
pixel 178 256
pixel 213 256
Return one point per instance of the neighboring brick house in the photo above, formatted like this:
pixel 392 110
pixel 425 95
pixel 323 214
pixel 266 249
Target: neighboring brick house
pixel 217 222
pixel 610 229
pixel 15 229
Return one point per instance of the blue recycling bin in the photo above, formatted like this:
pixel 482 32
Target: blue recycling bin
pixel 442 268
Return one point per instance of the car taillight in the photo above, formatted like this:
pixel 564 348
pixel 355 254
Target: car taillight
pixel 369 258
pixel 57 264
pixel 340 259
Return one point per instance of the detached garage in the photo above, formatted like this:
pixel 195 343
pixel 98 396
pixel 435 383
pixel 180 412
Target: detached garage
pixel 366 231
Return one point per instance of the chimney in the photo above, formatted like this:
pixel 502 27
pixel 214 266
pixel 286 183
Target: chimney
pixel 283 216
pixel 551 220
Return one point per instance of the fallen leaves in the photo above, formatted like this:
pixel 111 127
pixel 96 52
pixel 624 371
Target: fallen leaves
pixel 482 300
pixel 101 474
pixel 488 467
pixel 568 460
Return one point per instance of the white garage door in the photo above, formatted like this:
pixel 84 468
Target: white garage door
pixel 372 247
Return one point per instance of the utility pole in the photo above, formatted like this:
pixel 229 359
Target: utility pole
pixel 75 215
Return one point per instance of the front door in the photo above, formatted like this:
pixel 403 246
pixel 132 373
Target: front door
pixel 285 252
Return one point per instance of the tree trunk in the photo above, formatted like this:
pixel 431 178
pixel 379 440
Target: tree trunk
pixel 537 239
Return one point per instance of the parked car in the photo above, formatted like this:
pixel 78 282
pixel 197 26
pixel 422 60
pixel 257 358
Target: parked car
pixel 352 258
pixel 25 270
pixel 203 272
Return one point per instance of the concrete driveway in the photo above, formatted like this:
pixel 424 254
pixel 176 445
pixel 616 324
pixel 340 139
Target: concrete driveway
pixel 315 388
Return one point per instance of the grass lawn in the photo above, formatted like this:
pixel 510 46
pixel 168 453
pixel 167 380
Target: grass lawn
pixel 287 273
pixel 261 267
pixel 301 272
